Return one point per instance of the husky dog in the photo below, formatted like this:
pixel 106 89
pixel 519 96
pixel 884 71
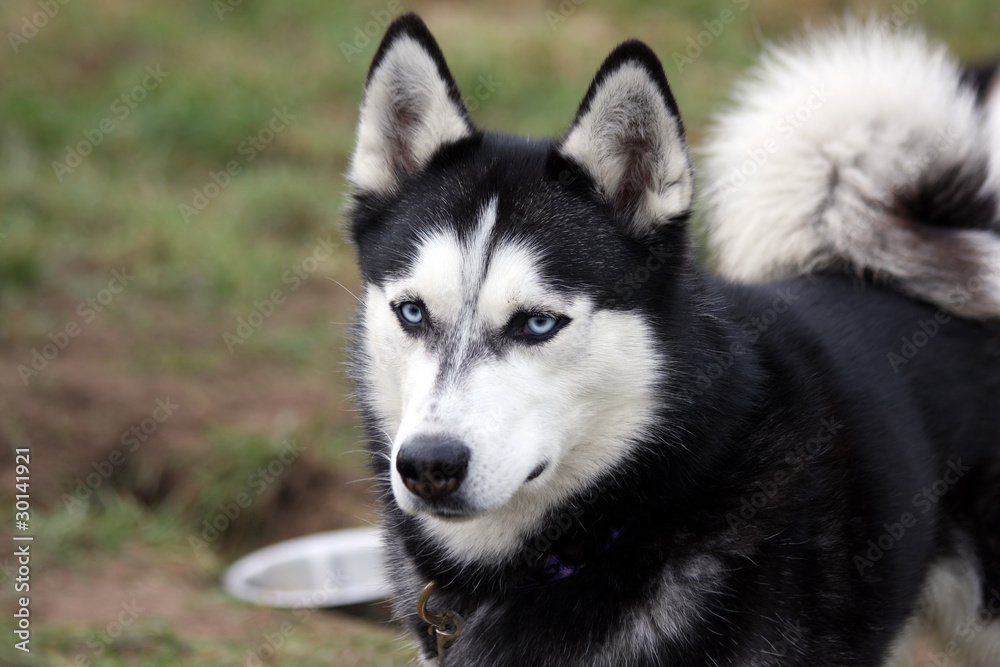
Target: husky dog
pixel 599 453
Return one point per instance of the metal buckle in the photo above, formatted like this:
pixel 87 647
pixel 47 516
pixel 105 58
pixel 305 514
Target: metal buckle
pixel 445 625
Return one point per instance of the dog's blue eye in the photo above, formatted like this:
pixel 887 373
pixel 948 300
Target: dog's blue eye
pixel 411 313
pixel 540 325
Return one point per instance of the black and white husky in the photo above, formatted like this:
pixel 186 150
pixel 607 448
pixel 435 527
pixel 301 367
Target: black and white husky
pixel 603 455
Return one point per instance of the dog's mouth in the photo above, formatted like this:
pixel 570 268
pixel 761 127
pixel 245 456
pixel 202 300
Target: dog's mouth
pixel 456 515
pixel 450 515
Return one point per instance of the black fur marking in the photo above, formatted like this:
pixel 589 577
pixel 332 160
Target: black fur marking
pixel 982 78
pixel 636 53
pixel 411 25
pixel 951 198
pixel 639 144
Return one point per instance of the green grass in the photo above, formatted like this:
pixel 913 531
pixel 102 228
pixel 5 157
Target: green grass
pixel 61 234
pixel 121 204
pixel 101 527
pixel 157 644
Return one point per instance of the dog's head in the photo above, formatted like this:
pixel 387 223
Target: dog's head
pixel 507 348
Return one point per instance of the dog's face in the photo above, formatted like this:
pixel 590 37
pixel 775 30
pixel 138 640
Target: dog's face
pixel 503 345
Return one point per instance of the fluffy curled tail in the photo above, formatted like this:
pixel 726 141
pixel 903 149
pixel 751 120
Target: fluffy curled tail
pixel 865 147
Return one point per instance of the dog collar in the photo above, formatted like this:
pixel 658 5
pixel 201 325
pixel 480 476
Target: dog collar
pixel 446 625
pixel 555 566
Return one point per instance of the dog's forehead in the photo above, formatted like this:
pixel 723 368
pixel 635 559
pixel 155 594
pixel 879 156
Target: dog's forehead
pixel 501 218
pixel 476 267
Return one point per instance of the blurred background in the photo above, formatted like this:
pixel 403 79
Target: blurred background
pixel 175 289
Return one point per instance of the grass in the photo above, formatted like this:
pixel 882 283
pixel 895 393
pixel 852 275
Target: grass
pixel 254 218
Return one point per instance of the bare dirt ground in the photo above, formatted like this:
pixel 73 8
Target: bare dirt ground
pixel 74 414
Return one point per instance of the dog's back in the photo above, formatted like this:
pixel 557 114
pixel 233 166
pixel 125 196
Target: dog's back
pixel 917 453
pixel 870 160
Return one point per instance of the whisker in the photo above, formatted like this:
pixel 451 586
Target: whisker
pixel 345 289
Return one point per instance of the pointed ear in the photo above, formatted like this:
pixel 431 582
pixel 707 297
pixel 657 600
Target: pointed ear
pixel 629 137
pixel 410 109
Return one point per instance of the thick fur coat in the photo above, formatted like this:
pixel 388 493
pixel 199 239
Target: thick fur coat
pixel 603 454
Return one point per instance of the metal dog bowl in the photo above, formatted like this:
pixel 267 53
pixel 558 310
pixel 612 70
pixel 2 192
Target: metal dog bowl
pixel 341 567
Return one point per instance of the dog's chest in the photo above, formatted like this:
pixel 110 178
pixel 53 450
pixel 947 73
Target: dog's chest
pixel 552 627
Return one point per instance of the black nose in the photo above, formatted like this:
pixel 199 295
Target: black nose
pixel 432 467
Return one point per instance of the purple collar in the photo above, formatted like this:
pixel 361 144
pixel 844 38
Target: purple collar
pixel 554 566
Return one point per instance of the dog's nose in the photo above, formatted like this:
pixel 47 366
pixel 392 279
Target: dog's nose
pixel 432 467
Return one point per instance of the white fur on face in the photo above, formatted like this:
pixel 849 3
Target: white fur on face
pixel 626 112
pixel 406 116
pixel 575 402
